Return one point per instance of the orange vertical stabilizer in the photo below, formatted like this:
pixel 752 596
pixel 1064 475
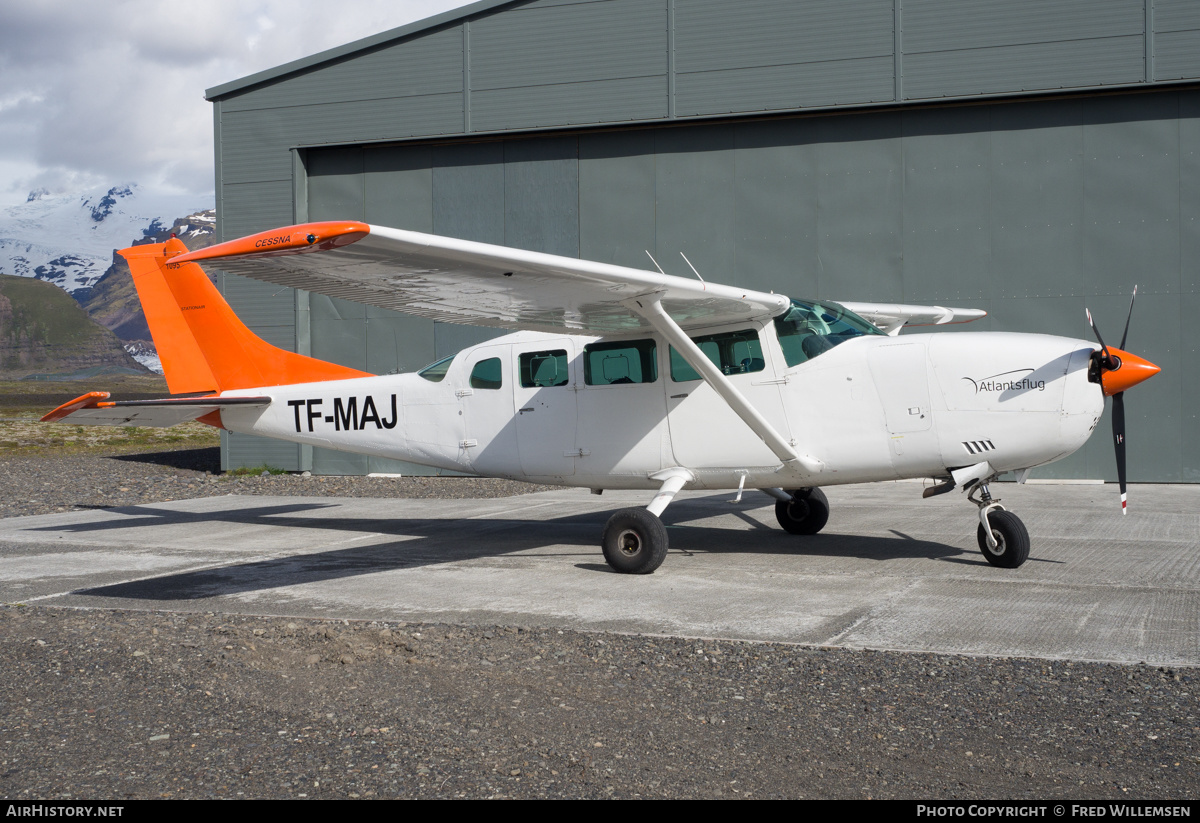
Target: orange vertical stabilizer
pixel 202 344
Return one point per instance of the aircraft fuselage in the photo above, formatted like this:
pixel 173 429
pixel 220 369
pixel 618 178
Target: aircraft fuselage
pixel 548 408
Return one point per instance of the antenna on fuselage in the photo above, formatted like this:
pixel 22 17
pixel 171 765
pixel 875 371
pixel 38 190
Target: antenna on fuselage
pixel 655 262
pixel 693 268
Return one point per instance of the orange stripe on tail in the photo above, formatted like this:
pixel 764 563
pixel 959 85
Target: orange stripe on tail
pixel 202 344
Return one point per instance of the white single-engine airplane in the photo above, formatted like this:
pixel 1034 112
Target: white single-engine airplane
pixel 624 379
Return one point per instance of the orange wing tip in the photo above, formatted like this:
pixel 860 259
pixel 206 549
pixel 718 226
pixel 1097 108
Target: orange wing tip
pixel 305 237
pixel 89 400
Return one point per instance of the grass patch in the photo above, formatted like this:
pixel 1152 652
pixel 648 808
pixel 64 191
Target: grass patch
pixel 254 471
pixel 22 434
pixel 23 402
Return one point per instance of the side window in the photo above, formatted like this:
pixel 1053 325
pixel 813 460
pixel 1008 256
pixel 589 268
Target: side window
pixel 544 368
pixel 625 361
pixel 735 352
pixel 487 374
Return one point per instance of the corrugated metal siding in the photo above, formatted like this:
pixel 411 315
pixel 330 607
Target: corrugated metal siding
pixel 774 54
pixel 242 451
pixel 570 104
pixel 714 35
pixel 420 66
pixel 940 25
pixel 574 43
pixel 1034 67
pixel 1176 39
pixel 1176 15
pixel 795 86
pixel 956 48
pixel 569 64
pixel 247 208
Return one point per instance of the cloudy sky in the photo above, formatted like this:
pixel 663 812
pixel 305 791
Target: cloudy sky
pixel 113 92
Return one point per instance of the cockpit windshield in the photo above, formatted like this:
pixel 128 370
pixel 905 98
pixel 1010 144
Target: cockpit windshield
pixel 435 372
pixel 811 328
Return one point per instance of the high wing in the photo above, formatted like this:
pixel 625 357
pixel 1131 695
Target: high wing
pixel 891 317
pixel 94 409
pixel 460 281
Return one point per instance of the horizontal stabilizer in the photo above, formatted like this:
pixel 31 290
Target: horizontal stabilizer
pixel 891 317
pixel 94 409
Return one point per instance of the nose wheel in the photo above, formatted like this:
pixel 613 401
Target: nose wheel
pixel 1010 537
pixel 1002 537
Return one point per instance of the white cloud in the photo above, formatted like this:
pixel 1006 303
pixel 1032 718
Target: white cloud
pixel 114 91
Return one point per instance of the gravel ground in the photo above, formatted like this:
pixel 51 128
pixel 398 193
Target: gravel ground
pixel 119 704
pixel 42 485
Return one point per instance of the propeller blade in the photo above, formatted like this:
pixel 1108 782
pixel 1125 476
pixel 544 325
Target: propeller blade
pixel 1126 334
pixel 1108 361
pixel 1118 424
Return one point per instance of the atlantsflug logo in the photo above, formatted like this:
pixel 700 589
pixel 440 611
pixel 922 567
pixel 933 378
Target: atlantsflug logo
pixel 1015 380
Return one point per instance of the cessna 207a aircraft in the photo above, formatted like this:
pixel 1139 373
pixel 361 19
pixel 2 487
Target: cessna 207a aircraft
pixel 624 379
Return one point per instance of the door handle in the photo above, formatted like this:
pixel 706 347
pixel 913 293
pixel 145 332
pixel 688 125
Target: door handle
pixel 526 409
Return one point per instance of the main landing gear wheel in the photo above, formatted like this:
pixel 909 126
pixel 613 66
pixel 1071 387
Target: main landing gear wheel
pixel 806 513
pixel 635 541
pixel 1012 540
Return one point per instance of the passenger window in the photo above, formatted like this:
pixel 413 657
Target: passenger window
pixel 625 361
pixel 487 374
pixel 735 352
pixel 544 368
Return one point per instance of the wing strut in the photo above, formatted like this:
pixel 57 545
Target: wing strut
pixel 649 307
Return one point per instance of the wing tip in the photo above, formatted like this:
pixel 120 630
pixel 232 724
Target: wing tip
pixel 298 239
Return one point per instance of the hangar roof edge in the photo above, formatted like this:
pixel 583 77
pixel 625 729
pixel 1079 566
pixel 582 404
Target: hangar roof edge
pixel 352 47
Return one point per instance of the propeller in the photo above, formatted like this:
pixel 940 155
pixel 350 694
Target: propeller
pixel 1115 373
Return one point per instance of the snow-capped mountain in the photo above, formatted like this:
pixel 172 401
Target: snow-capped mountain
pixel 144 352
pixel 68 239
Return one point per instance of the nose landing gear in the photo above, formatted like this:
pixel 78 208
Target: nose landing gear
pixel 1001 535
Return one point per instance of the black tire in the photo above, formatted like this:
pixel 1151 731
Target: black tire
pixel 635 542
pixel 1012 540
pixel 806 513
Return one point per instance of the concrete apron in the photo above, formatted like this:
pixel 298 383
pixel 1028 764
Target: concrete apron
pixel 890 571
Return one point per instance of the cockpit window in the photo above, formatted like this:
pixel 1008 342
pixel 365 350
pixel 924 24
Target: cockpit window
pixel 810 328
pixel 435 372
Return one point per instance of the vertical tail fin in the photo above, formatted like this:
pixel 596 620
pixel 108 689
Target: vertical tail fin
pixel 202 344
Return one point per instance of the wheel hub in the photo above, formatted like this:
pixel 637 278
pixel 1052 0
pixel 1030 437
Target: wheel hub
pixel 629 542
pixel 999 550
pixel 798 509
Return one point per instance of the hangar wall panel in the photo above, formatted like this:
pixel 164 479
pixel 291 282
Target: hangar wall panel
pixel 1176 39
pixel 616 197
pixel 566 64
pixel 431 64
pixel 773 54
pixel 776 205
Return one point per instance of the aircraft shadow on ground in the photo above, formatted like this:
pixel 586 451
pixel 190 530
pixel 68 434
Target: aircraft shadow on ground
pixel 435 541
pixel 206 459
